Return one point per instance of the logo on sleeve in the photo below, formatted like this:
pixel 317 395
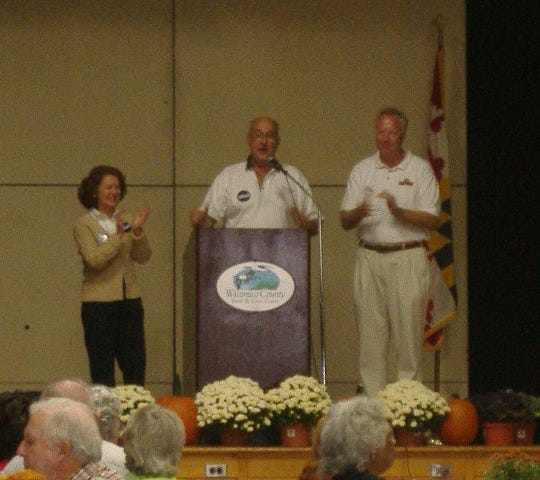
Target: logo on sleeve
pixel 407 182
pixel 243 196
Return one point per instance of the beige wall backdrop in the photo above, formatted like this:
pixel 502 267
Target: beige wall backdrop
pixel 164 91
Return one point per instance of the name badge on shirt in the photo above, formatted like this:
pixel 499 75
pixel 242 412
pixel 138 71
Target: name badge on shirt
pixel 243 196
pixel 102 238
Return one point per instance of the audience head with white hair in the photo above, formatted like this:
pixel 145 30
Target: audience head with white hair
pixel 108 408
pixel 60 438
pixel 357 440
pixel 78 390
pixel 153 440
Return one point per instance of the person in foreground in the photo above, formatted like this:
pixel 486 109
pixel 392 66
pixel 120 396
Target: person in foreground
pixel 62 442
pixel 109 241
pixel 357 441
pixel 13 417
pixel 108 407
pixel 310 471
pixel 153 441
pixel 392 199
pixel 256 193
pixel 78 390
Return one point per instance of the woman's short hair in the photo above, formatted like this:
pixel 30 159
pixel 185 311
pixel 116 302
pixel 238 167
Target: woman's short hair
pixel 109 408
pixel 153 440
pixel 352 431
pixel 89 184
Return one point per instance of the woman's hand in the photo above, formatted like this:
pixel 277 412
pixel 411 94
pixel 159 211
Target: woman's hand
pixel 139 219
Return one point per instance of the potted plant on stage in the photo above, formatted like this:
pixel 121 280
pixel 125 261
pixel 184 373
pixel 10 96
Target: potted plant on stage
pixel 500 412
pixel 232 408
pixel 517 466
pixel 535 405
pixel 297 405
pixel 526 427
pixel 132 398
pixel 416 412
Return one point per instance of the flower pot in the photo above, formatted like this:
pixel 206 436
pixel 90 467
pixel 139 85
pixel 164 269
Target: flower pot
pixel 185 408
pixel 524 434
pixel 405 437
pixel 295 435
pixel 499 433
pixel 233 438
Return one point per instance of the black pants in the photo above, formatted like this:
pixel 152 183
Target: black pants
pixel 115 330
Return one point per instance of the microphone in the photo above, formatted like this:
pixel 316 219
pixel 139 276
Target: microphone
pixel 272 161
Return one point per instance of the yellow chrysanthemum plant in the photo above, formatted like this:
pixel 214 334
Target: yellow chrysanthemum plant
pixel 235 403
pixel 299 399
pixel 413 406
pixel 132 397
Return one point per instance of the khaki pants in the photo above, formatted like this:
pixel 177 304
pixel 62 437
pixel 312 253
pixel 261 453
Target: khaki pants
pixel 391 294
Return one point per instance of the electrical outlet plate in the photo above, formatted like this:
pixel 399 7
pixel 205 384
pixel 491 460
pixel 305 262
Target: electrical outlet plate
pixel 440 470
pixel 215 470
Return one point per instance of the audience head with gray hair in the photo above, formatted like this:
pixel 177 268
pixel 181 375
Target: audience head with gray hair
pixel 61 437
pixel 356 438
pixel 112 455
pixel 108 407
pixel 153 440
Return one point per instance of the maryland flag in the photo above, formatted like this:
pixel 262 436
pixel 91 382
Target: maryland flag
pixel 441 309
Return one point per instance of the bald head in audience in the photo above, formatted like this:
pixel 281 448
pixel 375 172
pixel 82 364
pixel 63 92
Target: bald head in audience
pixel 72 388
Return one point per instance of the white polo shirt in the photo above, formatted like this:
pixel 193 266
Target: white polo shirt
pixel 412 183
pixel 236 200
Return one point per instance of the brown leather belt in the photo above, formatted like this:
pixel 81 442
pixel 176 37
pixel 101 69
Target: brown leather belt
pixel 395 247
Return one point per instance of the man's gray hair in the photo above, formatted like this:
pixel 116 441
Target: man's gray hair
pixel 351 433
pixel 271 120
pixel 153 440
pixel 71 421
pixel 397 113
pixel 109 408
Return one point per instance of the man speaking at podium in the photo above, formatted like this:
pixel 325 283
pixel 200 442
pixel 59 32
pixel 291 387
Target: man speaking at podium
pixel 258 193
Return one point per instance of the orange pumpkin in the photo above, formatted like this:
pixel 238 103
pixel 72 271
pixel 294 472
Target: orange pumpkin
pixel 460 426
pixel 185 408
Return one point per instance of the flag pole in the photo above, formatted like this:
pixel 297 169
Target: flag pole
pixel 440 22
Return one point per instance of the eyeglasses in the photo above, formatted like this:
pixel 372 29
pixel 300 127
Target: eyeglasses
pixel 258 135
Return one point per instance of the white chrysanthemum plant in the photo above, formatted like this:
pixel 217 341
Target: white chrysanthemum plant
pixel 235 403
pixel 132 397
pixel 414 406
pixel 299 399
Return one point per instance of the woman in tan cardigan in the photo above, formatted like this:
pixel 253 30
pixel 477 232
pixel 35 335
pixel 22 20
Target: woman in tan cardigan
pixel 110 241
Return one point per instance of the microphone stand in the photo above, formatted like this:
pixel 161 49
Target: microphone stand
pixel 276 165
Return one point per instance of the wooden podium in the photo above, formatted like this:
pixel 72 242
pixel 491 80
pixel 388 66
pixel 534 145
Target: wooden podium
pixel 252 305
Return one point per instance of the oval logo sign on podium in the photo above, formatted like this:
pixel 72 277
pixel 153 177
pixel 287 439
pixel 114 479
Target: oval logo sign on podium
pixel 255 286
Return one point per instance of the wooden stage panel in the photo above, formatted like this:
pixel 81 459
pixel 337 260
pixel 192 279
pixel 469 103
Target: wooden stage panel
pixel 278 463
